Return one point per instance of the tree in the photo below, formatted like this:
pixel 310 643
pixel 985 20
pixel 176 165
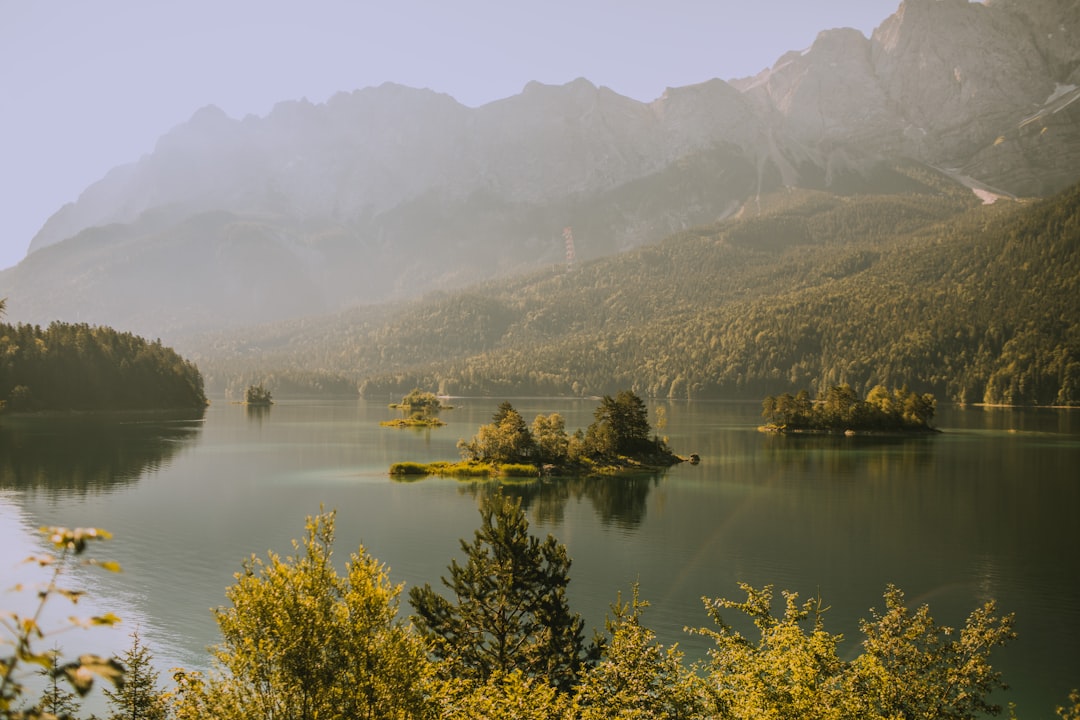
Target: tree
pixel 788 672
pixel 508 609
pixel 503 696
pixel 57 700
pixel 505 440
pixel 302 642
pixel 620 426
pixel 421 402
pixel 549 435
pixel 635 676
pixel 139 698
pixel 257 395
pixel 913 667
pixel 910 668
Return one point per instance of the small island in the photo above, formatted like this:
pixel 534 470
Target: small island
pixel 257 396
pixel 421 410
pixel 617 441
pixel 840 411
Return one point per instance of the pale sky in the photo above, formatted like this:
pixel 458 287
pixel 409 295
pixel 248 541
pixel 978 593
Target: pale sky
pixel 86 85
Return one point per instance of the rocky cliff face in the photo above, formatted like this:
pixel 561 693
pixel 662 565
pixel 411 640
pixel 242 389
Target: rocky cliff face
pixel 388 191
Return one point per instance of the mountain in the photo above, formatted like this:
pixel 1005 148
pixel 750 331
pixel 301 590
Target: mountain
pixel 389 192
pixel 939 292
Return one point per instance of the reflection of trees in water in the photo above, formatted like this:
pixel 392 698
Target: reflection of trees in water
pixel 618 500
pixel 256 412
pixel 867 456
pixel 88 453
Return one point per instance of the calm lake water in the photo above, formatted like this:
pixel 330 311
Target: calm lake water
pixel 990 509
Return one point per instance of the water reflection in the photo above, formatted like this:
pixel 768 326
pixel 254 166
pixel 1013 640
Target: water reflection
pixel 88 454
pixel 256 412
pixel 866 456
pixel 617 501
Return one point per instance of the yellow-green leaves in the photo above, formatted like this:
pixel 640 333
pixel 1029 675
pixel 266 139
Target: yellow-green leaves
pixel 22 632
pixel 82 672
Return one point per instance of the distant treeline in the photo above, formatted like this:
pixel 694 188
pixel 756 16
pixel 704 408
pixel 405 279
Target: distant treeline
pixel 80 367
pixel 933 291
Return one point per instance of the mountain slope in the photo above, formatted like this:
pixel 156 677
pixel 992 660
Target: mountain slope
pixel 972 302
pixel 388 192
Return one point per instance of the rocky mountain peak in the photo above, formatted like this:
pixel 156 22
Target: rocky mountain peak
pixel 385 189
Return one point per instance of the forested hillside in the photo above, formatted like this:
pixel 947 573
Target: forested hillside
pixel 79 367
pixel 974 303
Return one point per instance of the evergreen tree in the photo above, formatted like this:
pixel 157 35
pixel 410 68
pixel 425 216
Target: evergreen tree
pixel 508 609
pixel 56 699
pixel 139 698
pixel 620 427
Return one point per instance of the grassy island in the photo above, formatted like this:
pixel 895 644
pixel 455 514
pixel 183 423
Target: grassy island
pixel 839 410
pixel 421 409
pixel 617 441
pixel 413 422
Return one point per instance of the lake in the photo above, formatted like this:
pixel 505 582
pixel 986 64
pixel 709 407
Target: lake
pixel 989 509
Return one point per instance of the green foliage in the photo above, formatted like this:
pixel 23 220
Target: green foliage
pixel 507 609
pixel 840 409
pixel 420 401
pixel 1073 712
pixel 518 470
pixel 139 698
pixel 257 395
pixel 505 695
pixel 549 435
pixel 911 667
pixel 971 303
pixel 505 440
pixel 56 700
pixel 620 427
pixel 301 641
pixel 636 677
pixel 619 436
pixel 409 468
pixel 79 367
pixel 20 632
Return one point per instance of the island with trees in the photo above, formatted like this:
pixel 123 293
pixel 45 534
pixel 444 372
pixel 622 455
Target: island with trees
pixel 78 367
pixel 839 410
pixel 258 396
pixel 618 440
pixel 420 408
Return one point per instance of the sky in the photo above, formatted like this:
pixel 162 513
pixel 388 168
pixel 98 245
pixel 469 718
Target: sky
pixel 87 85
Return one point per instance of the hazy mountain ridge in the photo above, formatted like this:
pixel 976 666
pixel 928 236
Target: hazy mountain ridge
pixel 387 192
pixel 974 303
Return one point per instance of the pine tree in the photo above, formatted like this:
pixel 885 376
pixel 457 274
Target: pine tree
pixel 139 698
pixel 508 610
pixel 56 699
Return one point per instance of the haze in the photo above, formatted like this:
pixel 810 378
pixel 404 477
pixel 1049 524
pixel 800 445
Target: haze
pixel 87 87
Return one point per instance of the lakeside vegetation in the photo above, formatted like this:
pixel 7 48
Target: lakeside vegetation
pixel 618 440
pixel 972 303
pixel 839 410
pixel 78 367
pixel 421 409
pixel 258 396
pixel 501 640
